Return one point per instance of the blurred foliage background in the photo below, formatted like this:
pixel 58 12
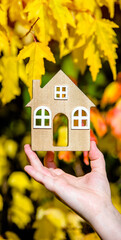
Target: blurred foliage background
pixel 27 209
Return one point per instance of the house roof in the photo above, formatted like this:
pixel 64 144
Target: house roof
pixel 59 78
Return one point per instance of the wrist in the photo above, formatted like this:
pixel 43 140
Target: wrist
pixel 107 222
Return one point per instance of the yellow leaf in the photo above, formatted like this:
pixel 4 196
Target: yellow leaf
pixel 85 5
pixel 3 15
pixel 11 236
pixel 56 216
pixel 38 14
pixel 91 54
pixel 45 230
pixel 20 210
pixel 4 44
pixel 106 37
pixel 35 67
pixel 11 148
pixel 109 4
pixel 10 81
pixel 16 12
pixel 60 235
pixel 74 226
pixel 62 15
pixel 20 181
pixel 78 58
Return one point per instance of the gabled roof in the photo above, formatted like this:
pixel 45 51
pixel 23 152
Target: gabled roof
pixel 59 78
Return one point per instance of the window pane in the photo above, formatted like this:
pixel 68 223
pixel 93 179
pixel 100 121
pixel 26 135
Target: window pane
pixel 63 95
pixel 47 122
pixel 64 89
pixel 39 112
pixel 57 88
pixel 84 122
pixel 76 123
pixel 38 122
pixel 46 113
pixel 84 113
pixel 76 113
pixel 58 95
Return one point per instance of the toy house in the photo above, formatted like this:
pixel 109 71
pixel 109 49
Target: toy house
pixel 59 95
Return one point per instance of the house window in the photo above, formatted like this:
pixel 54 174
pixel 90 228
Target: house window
pixel 61 92
pixel 42 117
pixel 80 118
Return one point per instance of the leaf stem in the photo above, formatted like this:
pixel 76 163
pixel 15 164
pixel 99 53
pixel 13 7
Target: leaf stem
pixel 30 28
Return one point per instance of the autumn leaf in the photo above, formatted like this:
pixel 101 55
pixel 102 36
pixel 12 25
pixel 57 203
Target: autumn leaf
pixel 106 37
pixel 113 119
pixel 20 210
pixel 35 52
pixel 111 94
pixel 67 156
pixel 92 52
pixel 20 181
pixel 10 79
pixel 99 122
pixel 110 4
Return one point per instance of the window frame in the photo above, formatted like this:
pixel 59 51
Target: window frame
pixel 42 117
pixel 61 92
pixel 80 118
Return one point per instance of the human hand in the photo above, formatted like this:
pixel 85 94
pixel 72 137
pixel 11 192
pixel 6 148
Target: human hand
pixel 88 195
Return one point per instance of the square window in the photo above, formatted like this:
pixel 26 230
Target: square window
pixel 38 122
pixel 76 123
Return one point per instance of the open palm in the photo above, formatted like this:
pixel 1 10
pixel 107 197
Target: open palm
pixel 86 194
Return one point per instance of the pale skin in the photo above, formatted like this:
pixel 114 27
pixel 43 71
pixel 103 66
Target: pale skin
pixel 89 195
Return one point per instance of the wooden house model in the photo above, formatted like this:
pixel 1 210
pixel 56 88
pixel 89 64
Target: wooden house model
pixel 59 95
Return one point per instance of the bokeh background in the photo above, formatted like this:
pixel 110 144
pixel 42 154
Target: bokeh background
pixel 27 209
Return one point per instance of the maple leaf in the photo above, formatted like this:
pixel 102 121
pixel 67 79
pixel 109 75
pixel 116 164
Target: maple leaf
pixel 105 36
pixel 35 52
pixel 91 52
pixel 10 79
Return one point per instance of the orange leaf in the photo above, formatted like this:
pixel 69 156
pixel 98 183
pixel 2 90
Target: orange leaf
pixel 111 93
pixel 67 156
pixel 99 122
pixel 114 121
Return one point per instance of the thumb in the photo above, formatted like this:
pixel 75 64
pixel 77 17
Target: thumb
pixel 49 160
pixel 97 159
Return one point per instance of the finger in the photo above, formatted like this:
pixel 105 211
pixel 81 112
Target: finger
pixel 49 160
pixel 32 157
pixel 47 181
pixel 97 159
